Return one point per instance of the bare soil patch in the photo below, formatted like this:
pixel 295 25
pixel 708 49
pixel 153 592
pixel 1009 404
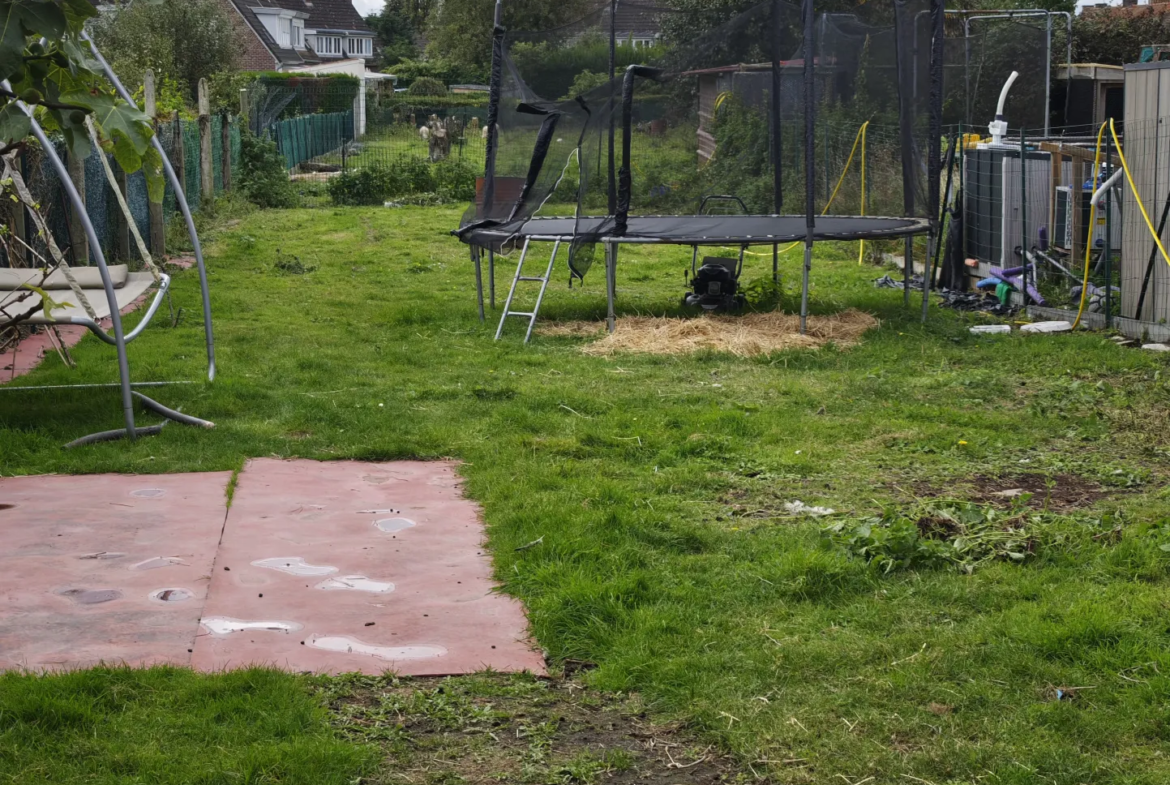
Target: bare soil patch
pixel 492 728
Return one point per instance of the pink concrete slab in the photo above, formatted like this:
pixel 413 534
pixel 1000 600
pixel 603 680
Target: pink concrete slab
pixel 87 563
pixel 310 550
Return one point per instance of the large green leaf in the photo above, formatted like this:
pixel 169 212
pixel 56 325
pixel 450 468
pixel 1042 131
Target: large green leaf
pixel 127 127
pixel 14 124
pixel 11 39
pixel 42 18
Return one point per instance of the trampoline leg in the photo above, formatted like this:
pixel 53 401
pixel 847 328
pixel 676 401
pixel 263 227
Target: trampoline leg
pixel 492 278
pixel 908 271
pixel 610 284
pixel 927 274
pixel 475 257
pixel 808 249
pixel 775 264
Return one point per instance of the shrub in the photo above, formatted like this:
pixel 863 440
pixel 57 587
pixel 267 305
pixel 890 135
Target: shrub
pixel 263 178
pixel 446 181
pixel 455 180
pixel 370 185
pixel 427 85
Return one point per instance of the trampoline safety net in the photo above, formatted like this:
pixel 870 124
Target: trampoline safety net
pixel 778 109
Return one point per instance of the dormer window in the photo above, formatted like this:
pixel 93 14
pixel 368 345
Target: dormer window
pixel 298 34
pixel 285 37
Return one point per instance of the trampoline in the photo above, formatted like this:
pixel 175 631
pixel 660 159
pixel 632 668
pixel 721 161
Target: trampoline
pixel 705 121
pixel 710 230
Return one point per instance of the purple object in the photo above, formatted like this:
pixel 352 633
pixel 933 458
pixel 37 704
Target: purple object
pixel 1014 277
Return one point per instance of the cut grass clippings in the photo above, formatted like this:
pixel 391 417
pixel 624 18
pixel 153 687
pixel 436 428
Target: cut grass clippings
pixel 748 335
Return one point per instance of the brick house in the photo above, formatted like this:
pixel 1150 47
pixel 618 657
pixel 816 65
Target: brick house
pixel 292 35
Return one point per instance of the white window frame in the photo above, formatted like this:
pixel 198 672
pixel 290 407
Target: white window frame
pixel 284 25
pixel 298 30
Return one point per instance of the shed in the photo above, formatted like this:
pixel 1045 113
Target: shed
pixel 752 84
pixel 1147 151
pixel 1095 92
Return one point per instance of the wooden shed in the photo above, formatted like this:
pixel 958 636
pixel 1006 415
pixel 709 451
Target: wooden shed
pixel 1147 150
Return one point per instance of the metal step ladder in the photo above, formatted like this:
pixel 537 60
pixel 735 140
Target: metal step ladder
pixel 543 280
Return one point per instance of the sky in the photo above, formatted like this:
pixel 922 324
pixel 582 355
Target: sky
pixel 367 7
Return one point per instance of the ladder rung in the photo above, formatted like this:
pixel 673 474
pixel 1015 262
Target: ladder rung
pixel 531 278
pixel 519 313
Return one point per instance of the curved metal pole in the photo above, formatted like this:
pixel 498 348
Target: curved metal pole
pixel 96 249
pixel 181 198
pixel 95 328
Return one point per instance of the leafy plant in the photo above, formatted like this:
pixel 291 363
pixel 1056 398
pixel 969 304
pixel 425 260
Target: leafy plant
pixel 952 533
pixel 46 63
pixel 263 178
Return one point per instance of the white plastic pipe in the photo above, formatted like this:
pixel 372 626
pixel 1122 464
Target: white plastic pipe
pixel 1099 194
pixel 1003 94
pixel 998 127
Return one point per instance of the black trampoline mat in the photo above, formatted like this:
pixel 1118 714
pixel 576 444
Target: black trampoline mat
pixel 703 229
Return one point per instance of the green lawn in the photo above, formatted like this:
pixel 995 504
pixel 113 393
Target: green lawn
pixel 657 486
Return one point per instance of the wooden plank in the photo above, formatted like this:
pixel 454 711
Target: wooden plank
pixel 157 224
pixel 77 239
pixel 121 224
pixel 178 154
pixel 206 157
pixel 225 128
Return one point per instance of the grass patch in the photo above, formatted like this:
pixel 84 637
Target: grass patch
pixel 658 482
pixel 165 725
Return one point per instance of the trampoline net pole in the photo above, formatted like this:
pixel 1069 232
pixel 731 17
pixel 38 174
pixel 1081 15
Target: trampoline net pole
pixel 809 156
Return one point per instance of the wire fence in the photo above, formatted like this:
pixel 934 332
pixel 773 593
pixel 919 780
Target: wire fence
pixel 100 202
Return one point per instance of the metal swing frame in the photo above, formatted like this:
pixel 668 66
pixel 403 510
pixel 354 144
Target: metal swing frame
pixel 117 336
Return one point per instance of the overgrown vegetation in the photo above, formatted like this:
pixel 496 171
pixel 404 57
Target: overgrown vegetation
pixel 451 180
pixel 263 178
pixel 182 40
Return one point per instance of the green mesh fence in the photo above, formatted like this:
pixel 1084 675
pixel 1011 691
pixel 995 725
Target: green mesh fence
pixel 102 206
pixel 300 139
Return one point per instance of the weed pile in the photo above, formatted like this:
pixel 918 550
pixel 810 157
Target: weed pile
pixel 964 535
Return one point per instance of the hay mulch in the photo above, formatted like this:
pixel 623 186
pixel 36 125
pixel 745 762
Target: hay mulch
pixel 744 336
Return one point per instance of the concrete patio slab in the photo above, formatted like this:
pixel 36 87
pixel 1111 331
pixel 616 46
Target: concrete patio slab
pixel 105 568
pixel 345 566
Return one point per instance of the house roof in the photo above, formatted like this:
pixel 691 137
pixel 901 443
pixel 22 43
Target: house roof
pixel 632 18
pixel 282 55
pixel 323 14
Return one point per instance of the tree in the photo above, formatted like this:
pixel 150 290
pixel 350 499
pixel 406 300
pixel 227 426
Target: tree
pixel 395 32
pixel 1116 39
pixel 183 40
pixel 416 12
pixel 47 66
pixel 461 30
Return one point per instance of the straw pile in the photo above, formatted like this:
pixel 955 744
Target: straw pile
pixel 744 336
